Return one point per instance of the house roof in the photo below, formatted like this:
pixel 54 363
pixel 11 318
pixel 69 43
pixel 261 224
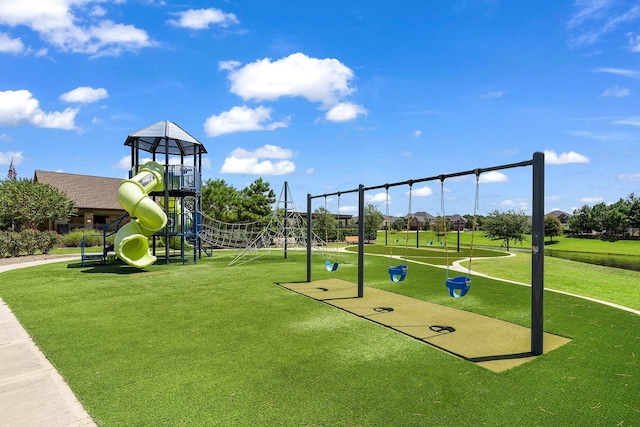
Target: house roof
pixel 424 216
pixel 87 192
pixel 559 214
pixel 457 217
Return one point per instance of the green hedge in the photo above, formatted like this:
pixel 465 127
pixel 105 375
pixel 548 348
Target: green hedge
pixel 27 242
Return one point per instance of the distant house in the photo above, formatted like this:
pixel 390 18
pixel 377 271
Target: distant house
pixel 563 217
pixel 95 199
pixel 458 222
pixel 423 220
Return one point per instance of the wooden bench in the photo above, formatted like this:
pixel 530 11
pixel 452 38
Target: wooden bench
pixel 351 239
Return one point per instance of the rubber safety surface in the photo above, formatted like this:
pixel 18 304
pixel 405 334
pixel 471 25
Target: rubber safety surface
pixel 488 342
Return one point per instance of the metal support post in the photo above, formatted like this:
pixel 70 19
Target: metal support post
pixel 537 256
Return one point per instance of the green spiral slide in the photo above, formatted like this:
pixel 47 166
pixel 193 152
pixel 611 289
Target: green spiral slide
pixel 132 240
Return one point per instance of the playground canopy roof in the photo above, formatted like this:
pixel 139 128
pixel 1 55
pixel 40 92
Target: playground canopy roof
pixel 165 137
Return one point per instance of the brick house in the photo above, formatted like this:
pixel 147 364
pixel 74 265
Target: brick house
pixel 95 199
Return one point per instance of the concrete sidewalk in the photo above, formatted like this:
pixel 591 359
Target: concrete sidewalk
pixel 32 392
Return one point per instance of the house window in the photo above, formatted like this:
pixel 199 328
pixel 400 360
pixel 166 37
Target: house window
pixel 99 220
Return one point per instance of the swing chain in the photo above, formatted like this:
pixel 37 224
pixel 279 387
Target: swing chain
pixel 475 214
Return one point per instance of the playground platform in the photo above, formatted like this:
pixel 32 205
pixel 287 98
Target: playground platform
pixel 492 343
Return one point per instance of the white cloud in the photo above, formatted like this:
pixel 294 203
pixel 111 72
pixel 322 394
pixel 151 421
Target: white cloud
pixel 591 200
pixel 594 18
pixel 348 209
pixel 493 176
pixel 125 162
pixel 10 45
pixel 200 19
pixel 318 80
pixel 519 204
pixel 228 65
pixel 551 158
pixel 20 107
pixel 422 192
pixel 241 119
pixel 255 167
pixel 629 177
pixel 633 121
pixel 84 94
pixel 496 94
pixel 242 161
pixel 619 71
pixel 344 112
pixel 616 92
pixel 377 198
pixel 606 137
pixel 5 137
pixel 634 42
pixel 417 133
pixel 6 158
pixel 70 25
pixel 267 151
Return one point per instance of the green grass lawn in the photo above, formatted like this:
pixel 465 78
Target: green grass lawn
pixel 209 345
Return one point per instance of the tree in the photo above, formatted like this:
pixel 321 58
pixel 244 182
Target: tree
pixel 25 204
pixel 634 211
pixel 399 224
pixel 224 203
pixel 470 222
pixel 324 224
pixel 440 226
pixel 372 222
pixel 552 227
pixel 582 221
pixel 508 226
pixel 256 201
pixel 220 200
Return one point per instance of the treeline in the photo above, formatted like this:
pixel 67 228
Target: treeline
pixel 227 204
pixel 614 220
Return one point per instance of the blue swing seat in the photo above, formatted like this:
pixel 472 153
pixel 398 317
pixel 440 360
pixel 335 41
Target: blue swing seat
pixel 461 284
pixel 330 266
pixel 398 273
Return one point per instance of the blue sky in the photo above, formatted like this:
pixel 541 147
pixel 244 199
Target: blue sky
pixel 330 94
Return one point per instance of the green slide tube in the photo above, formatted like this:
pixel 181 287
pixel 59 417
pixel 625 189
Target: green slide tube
pixel 132 240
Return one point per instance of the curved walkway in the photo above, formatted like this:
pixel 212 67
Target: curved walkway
pixel 457 267
pixel 32 392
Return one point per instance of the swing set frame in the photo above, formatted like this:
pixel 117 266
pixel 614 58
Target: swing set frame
pixel 537 234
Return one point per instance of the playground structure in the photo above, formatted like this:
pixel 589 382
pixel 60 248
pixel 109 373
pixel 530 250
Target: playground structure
pixel 163 199
pixel 284 230
pixel 537 236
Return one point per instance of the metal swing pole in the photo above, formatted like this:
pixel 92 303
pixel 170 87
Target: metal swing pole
pixel 537 256
pixel 360 241
pixel 309 238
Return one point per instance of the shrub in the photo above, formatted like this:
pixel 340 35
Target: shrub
pixel 15 245
pixel 72 239
pixel 92 239
pixel 4 243
pixel 29 239
pixel 46 241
